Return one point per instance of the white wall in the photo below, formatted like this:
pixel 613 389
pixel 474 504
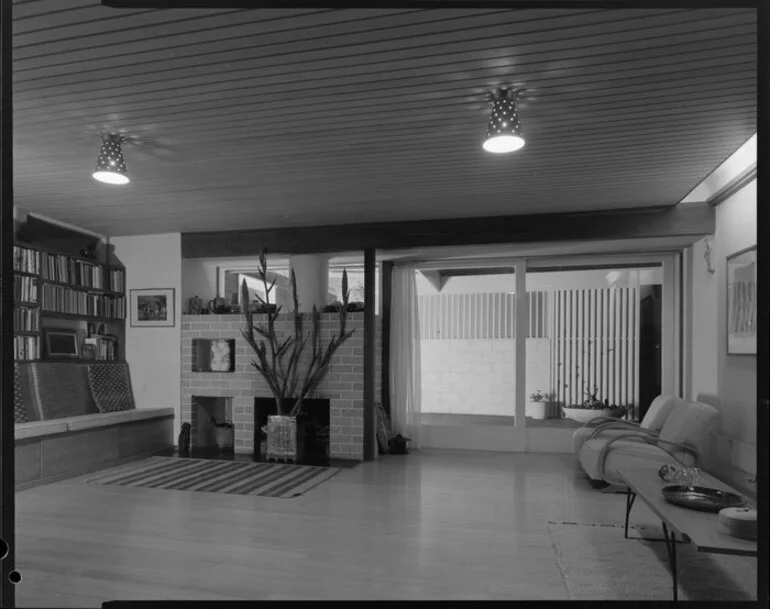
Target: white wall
pixel 154 354
pixel 733 378
pixel 477 376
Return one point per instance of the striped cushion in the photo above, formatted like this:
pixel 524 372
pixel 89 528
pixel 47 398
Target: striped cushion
pixel 111 386
pixel 19 409
pixel 61 390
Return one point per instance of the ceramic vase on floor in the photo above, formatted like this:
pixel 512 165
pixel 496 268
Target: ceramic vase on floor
pixel 225 438
pixel 282 438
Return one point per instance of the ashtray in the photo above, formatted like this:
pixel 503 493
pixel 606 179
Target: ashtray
pixel 702 498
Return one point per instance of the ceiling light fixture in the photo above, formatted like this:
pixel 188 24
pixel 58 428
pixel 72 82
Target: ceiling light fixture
pixel 503 130
pixel 110 165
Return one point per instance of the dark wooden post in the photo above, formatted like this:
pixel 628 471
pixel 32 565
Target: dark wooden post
pixel 7 520
pixel 370 425
pixel 386 290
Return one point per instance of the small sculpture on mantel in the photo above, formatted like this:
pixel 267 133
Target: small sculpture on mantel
pixel 195 305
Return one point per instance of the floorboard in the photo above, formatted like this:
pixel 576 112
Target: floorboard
pixel 430 525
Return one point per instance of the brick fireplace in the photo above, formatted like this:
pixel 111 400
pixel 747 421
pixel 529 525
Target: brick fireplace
pixel 343 386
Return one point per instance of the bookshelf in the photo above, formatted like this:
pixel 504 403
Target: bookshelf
pixel 52 289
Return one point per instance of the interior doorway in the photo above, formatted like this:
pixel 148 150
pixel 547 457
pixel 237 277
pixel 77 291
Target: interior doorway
pixel 650 345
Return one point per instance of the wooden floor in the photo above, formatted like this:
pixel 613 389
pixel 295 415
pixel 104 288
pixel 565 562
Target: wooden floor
pixel 429 525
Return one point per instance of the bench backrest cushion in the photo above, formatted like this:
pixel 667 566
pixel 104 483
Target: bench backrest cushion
pixel 60 390
pixel 111 386
pixel 19 408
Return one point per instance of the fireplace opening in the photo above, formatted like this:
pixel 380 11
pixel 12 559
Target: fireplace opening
pixel 312 427
pixel 203 430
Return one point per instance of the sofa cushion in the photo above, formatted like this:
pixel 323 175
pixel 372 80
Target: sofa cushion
pixel 105 419
pixel 689 423
pixel 622 453
pixel 35 429
pixel 60 390
pixel 111 386
pixel 659 411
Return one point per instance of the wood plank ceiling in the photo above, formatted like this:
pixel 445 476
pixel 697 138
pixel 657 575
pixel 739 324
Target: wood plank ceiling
pixel 268 118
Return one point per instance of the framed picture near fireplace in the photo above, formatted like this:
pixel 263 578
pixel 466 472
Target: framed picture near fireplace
pixel 742 302
pixel 152 308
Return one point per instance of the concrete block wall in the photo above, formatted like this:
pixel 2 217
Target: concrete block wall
pixel 477 376
pixel 343 385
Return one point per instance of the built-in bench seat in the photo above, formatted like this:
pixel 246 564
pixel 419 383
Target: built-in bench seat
pixel 65 429
pixel 37 429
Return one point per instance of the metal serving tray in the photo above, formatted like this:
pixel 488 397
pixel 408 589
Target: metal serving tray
pixel 702 498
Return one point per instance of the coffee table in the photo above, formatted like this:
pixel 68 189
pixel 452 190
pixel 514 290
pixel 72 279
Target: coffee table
pixel 701 529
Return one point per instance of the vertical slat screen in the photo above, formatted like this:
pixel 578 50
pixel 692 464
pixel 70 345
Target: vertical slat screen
pixel 479 316
pixel 594 342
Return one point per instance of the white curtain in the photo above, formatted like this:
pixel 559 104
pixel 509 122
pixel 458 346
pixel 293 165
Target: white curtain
pixel 405 381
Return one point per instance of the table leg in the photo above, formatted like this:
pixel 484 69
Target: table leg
pixel 630 496
pixel 671 551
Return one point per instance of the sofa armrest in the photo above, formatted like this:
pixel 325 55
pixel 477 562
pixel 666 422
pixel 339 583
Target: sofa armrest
pixel 647 439
pixel 618 424
pixel 598 421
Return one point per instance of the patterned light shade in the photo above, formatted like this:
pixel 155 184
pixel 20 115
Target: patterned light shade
pixel 110 166
pixel 503 130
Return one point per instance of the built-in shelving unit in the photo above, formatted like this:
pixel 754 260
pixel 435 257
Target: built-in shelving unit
pixel 50 286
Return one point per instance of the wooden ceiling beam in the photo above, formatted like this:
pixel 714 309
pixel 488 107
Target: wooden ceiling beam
pixel 693 220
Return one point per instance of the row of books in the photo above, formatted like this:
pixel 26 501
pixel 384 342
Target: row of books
pixel 68 270
pixel 26 319
pixel 26 260
pixel 104 348
pixel 62 299
pixel 26 347
pixel 117 281
pixel 24 288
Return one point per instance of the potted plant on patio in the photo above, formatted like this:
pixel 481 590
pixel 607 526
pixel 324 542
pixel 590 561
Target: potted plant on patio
pixel 592 407
pixel 537 405
pixel 282 359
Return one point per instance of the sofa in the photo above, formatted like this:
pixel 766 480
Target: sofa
pixel 76 417
pixel 682 440
pixel 652 422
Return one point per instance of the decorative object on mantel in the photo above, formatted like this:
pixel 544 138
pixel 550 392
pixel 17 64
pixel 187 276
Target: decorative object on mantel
pixel 183 442
pixel 701 498
pixel 739 522
pixel 219 306
pixel 152 308
pixel 224 435
pixel 195 305
pixel 742 302
pixel 281 362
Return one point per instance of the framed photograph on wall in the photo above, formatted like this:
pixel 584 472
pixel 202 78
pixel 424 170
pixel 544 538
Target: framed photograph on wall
pixel 152 308
pixel 61 342
pixel 742 302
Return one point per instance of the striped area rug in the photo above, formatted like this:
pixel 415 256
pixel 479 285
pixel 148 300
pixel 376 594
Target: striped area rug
pixel 211 476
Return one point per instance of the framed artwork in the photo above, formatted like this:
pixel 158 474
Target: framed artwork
pixel 152 308
pixel 61 342
pixel 742 302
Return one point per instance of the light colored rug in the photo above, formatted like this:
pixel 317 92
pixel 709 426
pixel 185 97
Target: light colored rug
pixel 213 476
pixel 599 563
